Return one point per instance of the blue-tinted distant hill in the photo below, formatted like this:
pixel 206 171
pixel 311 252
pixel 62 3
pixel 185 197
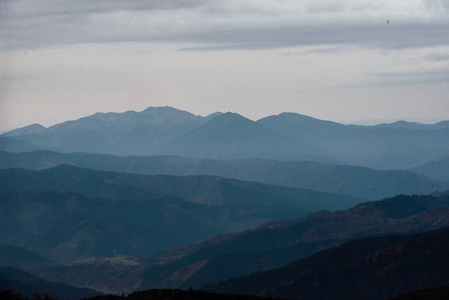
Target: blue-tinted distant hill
pixel 201 189
pixel 437 168
pixel 30 129
pixel 287 136
pixel 414 125
pixel 386 146
pixel 16 145
pixel 231 136
pixel 357 182
pixel 144 132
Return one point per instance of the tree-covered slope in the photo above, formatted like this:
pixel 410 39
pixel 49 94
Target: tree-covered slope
pixel 373 268
pixel 357 182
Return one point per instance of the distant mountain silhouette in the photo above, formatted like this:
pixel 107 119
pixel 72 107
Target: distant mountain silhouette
pixel 371 269
pixel 436 168
pixel 390 146
pixel 120 133
pixel 16 145
pixel 414 125
pixel 30 129
pixel 202 189
pixel 230 136
pixel 358 182
pixel 287 136
pixel 297 125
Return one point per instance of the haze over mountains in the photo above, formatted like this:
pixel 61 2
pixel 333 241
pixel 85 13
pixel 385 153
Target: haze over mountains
pixel 267 247
pixel 287 136
pixel 359 182
pixel 68 213
pixel 120 202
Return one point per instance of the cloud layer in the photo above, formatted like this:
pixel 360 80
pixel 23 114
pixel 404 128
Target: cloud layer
pixel 225 24
pixel 341 60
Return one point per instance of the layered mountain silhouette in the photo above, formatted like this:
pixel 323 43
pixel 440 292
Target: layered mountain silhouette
pixel 145 132
pixel 357 182
pixel 162 198
pixel 201 189
pixel 66 212
pixel 386 147
pixel 231 136
pixel 270 246
pixel 373 268
pixel 437 168
pixel 67 226
pixel 287 136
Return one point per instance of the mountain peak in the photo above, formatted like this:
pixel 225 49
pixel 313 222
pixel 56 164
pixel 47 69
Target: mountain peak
pixel 296 118
pixel 230 118
pixel 213 115
pixel 162 109
pixel 30 129
pixel 164 113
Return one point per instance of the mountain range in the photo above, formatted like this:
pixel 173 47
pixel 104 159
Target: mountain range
pixel 359 182
pixel 67 213
pixel 282 207
pixel 267 247
pixel 436 168
pixel 200 189
pixel 129 132
pixel 287 136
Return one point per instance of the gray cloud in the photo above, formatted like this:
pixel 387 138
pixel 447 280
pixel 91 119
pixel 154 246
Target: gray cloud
pixel 221 25
pixel 406 78
pixel 406 36
pixel 438 57
pixel 47 8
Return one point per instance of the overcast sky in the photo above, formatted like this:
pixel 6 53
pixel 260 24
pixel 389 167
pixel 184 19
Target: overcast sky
pixel 337 60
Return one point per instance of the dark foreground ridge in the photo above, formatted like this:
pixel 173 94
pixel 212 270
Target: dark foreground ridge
pixel 371 269
pixel 440 293
pixel 166 294
pixel 270 246
pixel 29 285
pixel 160 294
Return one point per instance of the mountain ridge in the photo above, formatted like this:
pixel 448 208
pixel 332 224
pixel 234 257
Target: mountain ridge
pixel 359 182
pixel 270 246
pixel 371 268
pixel 203 189
pixel 287 136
